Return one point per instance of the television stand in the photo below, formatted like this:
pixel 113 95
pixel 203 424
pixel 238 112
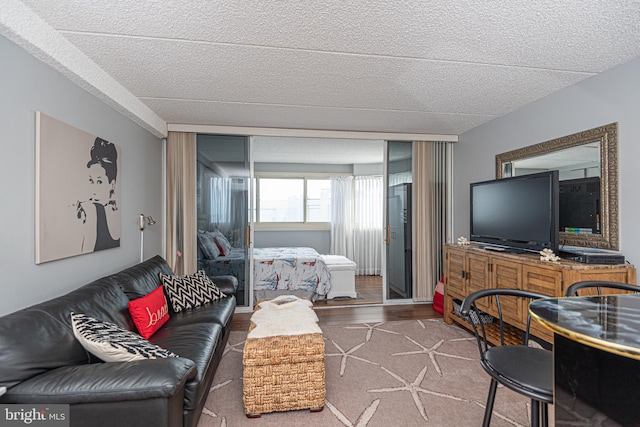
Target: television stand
pixel 470 268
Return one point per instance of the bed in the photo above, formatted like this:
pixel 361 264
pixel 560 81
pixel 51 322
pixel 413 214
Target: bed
pixel 299 271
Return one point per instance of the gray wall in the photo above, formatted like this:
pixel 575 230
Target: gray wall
pixel 613 96
pixel 318 240
pixel 29 86
pixel 302 168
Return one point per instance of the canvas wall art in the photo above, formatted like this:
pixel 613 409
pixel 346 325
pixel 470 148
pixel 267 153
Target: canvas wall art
pixel 77 191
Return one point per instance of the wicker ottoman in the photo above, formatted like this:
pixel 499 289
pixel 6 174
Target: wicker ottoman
pixel 283 373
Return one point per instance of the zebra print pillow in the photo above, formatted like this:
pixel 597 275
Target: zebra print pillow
pixel 112 343
pixel 190 291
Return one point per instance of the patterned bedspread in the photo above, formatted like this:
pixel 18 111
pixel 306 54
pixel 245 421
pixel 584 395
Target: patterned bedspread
pixel 290 269
pixel 275 269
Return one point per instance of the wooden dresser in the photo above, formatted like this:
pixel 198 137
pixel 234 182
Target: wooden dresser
pixel 470 268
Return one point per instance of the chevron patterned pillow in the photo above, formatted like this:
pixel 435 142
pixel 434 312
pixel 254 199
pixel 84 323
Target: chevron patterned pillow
pixel 190 291
pixel 112 343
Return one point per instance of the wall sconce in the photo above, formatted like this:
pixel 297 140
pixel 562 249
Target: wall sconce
pixel 144 220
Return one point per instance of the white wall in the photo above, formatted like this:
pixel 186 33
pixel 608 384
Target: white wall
pixel 613 96
pixel 27 86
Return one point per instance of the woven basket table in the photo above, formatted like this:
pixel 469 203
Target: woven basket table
pixel 283 373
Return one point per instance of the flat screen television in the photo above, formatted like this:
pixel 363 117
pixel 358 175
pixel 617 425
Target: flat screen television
pixel 517 214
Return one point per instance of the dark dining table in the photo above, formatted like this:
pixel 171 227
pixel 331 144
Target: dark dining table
pixel 596 358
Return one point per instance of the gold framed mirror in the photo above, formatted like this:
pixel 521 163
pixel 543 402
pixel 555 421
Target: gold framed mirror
pixel 584 159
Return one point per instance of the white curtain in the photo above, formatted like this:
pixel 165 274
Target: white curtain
pixel 400 178
pixel 368 227
pixel 224 206
pixel 220 207
pixel 342 216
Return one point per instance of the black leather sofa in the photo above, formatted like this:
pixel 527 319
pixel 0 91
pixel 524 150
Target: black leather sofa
pixel 41 362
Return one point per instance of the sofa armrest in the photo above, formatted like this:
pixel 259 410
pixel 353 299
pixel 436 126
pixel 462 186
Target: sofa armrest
pixel 227 284
pixel 105 382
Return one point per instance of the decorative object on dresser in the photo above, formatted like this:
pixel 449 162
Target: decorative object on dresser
pixel 549 256
pixel 471 268
pixel 463 241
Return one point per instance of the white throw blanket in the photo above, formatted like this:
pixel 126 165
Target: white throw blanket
pixel 291 318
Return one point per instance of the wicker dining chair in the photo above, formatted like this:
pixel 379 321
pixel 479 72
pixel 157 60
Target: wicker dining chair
pixel 572 291
pixel 520 367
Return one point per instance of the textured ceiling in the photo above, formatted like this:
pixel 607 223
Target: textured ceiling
pixel 410 66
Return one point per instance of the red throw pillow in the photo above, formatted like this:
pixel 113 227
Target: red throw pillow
pixel 149 312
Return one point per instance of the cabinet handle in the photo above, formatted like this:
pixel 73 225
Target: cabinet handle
pixel 462 274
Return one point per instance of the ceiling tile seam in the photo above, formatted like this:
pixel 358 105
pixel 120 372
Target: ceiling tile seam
pixel 391 110
pixel 330 52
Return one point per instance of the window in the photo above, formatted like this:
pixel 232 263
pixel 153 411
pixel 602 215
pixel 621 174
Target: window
pixel 281 200
pixel 293 200
pixel 318 200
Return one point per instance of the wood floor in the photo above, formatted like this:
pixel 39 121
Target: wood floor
pixel 367 308
pixel 368 288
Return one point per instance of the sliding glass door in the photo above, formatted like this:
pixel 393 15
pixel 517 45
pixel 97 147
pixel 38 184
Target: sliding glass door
pixel 399 283
pixel 222 197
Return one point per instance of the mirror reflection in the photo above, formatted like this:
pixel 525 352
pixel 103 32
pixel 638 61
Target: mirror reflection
pixel 588 166
pixel 579 168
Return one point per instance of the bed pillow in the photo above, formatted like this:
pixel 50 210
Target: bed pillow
pixel 208 245
pixel 223 243
pixel 112 343
pixel 149 312
pixel 190 291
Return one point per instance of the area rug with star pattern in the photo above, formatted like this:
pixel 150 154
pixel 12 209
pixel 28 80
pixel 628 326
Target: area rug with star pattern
pixel 400 373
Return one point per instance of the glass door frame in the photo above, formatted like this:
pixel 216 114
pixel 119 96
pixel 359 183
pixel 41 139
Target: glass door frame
pixel 251 223
pixel 385 273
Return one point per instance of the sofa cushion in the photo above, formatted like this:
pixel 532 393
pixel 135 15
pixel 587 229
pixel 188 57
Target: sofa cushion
pixel 112 343
pixel 201 343
pixel 39 338
pixel 105 382
pixel 149 312
pixel 190 291
pixel 141 279
pixel 219 311
pixel 227 284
